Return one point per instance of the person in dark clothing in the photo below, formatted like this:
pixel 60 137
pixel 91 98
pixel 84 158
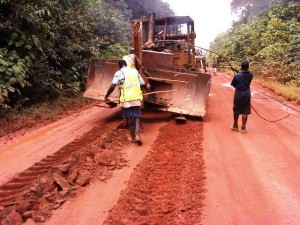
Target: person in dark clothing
pixel 242 96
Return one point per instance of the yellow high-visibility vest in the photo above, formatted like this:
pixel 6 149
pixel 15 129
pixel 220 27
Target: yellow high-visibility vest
pixel 131 88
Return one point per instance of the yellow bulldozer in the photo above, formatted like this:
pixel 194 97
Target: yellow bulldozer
pixel 169 63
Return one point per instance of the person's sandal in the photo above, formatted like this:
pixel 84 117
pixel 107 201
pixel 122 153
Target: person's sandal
pixel 235 128
pixel 243 130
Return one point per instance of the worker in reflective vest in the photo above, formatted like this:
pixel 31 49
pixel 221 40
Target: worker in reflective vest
pixel 130 83
pixel 131 87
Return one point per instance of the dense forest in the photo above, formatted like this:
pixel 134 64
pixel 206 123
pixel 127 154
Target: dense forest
pixel 268 35
pixel 46 46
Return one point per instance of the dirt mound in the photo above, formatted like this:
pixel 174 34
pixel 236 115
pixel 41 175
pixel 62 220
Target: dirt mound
pixel 168 186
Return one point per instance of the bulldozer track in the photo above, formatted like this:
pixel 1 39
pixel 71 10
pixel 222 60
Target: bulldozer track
pixel 22 183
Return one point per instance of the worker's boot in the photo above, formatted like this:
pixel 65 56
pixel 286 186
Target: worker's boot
pixel 131 128
pixel 137 131
pixel 132 135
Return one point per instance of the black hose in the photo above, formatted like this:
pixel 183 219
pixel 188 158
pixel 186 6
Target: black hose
pixel 284 117
pixel 213 53
pixel 288 114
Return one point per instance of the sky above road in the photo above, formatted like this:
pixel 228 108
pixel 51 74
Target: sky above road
pixel 211 17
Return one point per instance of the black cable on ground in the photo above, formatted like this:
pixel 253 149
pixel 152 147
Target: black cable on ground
pixel 267 119
pixel 272 121
pixel 288 114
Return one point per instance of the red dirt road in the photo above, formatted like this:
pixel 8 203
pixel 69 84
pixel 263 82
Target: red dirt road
pixel 252 178
pixel 19 154
pixel 196 173
pixel 92 207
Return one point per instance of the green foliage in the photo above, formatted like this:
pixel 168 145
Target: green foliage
pixel 46 46
pixel 248 9
pixel 14 65
pixel 271 42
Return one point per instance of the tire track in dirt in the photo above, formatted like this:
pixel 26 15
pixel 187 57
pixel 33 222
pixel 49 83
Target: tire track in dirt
pixel 168 185
pixel 15 188
pixel 45 186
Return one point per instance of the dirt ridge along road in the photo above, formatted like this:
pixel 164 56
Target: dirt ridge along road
pixel 92 206
pixel 168 185
pixel 67 173
pixel 19 154
pixel 46 185
pixel 252 178
pixel 23 159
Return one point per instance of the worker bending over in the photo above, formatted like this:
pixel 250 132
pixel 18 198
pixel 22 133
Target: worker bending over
pixel 130 83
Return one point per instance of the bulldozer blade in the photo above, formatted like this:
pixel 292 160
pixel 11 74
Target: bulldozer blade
pixel 190 95
pixel 99 79
pixel 183 93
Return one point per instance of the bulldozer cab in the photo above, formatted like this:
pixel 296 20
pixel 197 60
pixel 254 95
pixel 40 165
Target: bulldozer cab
pixel 174 35
pixel 169 63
